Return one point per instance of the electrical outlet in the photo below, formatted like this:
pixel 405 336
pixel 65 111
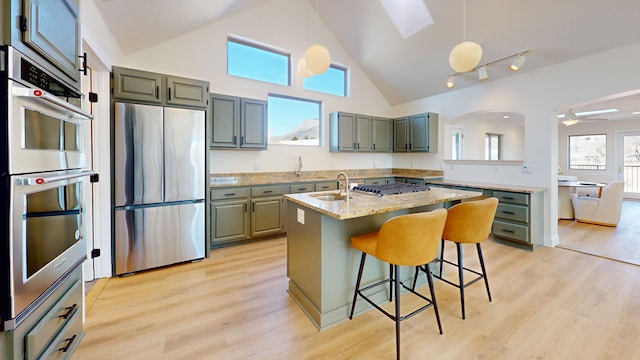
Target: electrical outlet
pixel 413 164
pixel 374 164
pixel 496 168
pixel 527 169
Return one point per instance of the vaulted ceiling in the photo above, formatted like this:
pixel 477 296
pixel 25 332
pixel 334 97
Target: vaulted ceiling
pixel 416 67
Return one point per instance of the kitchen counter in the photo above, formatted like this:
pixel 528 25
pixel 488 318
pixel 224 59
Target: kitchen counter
pixel 321 265
pixel 490 186
pixel 361 204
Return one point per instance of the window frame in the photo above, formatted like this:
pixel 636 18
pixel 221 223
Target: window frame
pixel 297 98
pixel 591 167
pixel 262 47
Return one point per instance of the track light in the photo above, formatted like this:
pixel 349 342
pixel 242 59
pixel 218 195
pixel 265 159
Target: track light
pixel 517 62
pixel 483 74
pixel 451 82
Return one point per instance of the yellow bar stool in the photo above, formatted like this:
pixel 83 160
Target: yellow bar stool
pixel 405 240
pixel 468 223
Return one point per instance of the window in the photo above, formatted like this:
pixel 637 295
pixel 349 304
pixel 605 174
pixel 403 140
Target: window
pixel 456 141
pixel 333 81
pixel 492 146
pixel 257 62
pixel 293 121
pixel 588 152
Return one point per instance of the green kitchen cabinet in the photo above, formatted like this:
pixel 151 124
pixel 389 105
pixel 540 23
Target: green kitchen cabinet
pixel 229 214
pixel 238 123
pixel 266 210
pixel 149 87
pixel 356 132
pixel 416 133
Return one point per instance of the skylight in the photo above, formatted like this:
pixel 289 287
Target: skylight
pixel 408 16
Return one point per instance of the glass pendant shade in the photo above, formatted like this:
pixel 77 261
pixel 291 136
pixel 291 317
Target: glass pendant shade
pixel 465 56
pixel 302 68
pixel 317 59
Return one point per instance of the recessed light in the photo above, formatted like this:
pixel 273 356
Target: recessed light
pixel 506 117
pixel 635 113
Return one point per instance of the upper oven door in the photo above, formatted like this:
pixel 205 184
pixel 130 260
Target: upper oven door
pixel 45 133
pixel 53 29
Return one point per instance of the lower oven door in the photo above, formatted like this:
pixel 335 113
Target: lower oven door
pixel 47 232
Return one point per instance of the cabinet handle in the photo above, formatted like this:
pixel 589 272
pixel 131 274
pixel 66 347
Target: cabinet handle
pixel 245 207
pixel 69 342
pixel 406 146
pixel 354 146
pixel 267 191
pixel 324 187
pixel 410 146
pixel 374 146
pixel 69 311
pixel 508 212
pixel 157 92
pixel 230 194
pixel 234 139
pixel 241 140
pixel 169 94
pixel 358 146
pixel 302 189
pixel 508 231
pixel 253 207
pixel 508 198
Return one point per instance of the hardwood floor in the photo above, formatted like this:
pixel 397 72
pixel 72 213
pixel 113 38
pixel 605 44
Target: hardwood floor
pixel 620 243
pixel 548 304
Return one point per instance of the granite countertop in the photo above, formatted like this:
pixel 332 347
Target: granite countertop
pixel 489 186
pixel 289 177
pixel 361 204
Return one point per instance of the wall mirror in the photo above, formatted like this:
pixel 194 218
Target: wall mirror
pixel 485 135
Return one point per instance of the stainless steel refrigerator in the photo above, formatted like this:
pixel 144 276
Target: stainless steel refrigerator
pixel 159 186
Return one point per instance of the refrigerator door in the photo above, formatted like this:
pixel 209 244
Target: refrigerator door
pixel 149 237
pixel 138 172
pixel 184 154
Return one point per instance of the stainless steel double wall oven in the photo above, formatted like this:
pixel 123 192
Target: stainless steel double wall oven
pixel 44 179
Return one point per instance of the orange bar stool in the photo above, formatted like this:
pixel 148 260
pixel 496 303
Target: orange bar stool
pixel 405 240
pixel 467 223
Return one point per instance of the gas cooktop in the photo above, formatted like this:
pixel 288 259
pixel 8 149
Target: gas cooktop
pixel 390 189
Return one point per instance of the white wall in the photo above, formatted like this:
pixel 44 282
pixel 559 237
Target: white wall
pixel 97 35
pixel 283 24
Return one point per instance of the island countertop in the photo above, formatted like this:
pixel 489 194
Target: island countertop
pixel 360 204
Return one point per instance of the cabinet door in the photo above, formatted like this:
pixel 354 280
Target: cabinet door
pixel 400 132
pixel 381 137
pixel 187 92
pixel 346 125
pixel 136 85
pixel 225 115
pixel 364 133
pixel 253 124
pixel 53 29
pixel 419 132
pixel 229 221
pixel 266 216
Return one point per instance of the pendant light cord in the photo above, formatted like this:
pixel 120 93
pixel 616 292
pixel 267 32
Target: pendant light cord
pixel 464 20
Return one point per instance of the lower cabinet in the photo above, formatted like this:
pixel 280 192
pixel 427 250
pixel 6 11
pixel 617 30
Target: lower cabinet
pixel 54 329
pixel 266 214
pixel 229 214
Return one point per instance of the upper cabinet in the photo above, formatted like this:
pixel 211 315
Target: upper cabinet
pixel 416 133
pixel 144 86
pixel 355 132
pixel 238 123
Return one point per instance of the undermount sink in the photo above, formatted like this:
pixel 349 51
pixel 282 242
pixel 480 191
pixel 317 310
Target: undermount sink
pixel 329 196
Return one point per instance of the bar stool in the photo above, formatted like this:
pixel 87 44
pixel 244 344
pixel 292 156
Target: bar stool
pixel 469 223
pixel 405 240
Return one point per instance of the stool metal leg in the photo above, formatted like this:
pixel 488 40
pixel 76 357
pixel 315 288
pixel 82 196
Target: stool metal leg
pixel 398 316
pixel 433 295
pixel 355 292
pixel 484 271
pixel 461 277
pixel 391 282
pixel 441 255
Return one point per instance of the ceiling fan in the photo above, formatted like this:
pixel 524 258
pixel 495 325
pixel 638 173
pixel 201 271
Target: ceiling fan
pixel 572 118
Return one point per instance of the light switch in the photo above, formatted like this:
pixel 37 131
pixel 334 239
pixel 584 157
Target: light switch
pixel 300 216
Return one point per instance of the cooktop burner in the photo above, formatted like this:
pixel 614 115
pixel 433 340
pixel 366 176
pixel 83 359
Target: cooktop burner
pixel 390 189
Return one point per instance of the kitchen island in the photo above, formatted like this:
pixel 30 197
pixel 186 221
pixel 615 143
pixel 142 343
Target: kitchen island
pixel 321 265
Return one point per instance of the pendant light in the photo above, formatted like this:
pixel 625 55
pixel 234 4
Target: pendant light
pixel 316 58
pixel 466 55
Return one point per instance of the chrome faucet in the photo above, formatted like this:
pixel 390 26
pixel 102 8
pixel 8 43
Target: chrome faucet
pixel 344 186
pixel 299 171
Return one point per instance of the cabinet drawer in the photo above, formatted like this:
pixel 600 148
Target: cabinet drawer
pixel 267 190
pixel 229 193
pixel 511 231
pixel 301 188
pixel 510 197
pixel 414 181
pixel 63 346
pixel 57 317
pixel 326 185
pixel 376 181
pixel 513 212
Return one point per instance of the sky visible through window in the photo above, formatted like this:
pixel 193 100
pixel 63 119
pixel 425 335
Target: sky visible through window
pixel 331 81
pixel 258 64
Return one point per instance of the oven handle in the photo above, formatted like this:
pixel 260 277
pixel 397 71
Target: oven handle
pixel 23 181
pixel 37 93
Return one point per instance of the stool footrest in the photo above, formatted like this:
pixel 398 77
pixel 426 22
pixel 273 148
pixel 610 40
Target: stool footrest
pixel 390 316
pixel 439 277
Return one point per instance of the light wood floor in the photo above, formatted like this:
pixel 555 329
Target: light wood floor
pixel 548 304
pixel 620 243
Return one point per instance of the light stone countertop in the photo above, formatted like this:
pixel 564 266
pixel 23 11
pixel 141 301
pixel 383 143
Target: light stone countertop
pixel 489 186
pixel 361 204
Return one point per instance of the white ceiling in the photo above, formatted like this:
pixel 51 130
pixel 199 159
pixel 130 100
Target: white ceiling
pixel 416 67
